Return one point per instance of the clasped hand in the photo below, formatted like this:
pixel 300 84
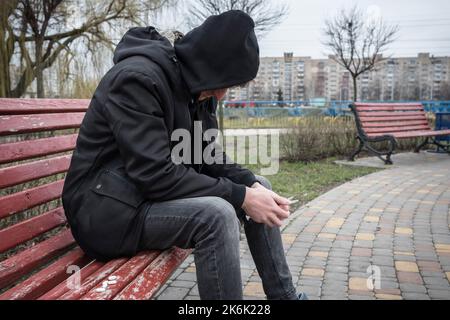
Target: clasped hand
pixel 265 206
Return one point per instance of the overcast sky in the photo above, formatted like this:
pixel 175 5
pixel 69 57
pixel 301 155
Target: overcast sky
pixel 424 26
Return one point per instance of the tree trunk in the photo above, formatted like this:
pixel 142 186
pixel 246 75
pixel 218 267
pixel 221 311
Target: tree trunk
pixel 6 46
pixel 5 89
pixel 355 89
pixel 39 70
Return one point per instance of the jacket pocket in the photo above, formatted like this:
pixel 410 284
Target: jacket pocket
pixel 108 217
pixel 113 185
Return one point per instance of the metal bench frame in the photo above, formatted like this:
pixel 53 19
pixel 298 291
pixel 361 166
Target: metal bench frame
pixel 365 141
pixel 42 270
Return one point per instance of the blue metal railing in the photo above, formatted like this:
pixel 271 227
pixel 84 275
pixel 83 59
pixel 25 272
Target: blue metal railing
pixel 268 109
pixel 443 123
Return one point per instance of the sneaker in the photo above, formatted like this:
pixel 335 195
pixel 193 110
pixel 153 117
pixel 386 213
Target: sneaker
pixel 302 296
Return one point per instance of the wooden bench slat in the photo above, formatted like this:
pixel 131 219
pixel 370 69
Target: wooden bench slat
pixel 64 286
pixel 10 152
pixel 395 124
pixel 147 284
pixel 397 129
pixel 43 281
pixel 405 135
pixel 21 173
pixel 389 108
pixel 392 119
pixel 31 106
pixel 94 279
pixel 125 274
pixel 390 105
pixel 391 114
pixel 29 259
pixel 11 125
pixel 31 228
pixel 19 201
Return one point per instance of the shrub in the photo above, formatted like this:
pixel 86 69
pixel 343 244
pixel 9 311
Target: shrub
pixel 316 138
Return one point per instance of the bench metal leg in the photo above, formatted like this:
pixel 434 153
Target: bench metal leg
pixel 357 151
pixel 364 144
pixel 433 141
pixel 444 147
pixel 380 155
pixel 423 144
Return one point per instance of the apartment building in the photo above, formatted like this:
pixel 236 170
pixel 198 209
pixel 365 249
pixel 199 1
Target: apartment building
pixel 291 78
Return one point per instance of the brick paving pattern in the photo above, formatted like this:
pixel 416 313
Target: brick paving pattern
pixel 382 236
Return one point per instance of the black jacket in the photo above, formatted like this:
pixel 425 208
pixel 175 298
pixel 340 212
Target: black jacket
pixel 122 162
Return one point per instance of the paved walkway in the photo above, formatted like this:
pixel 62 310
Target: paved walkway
pixel 391 226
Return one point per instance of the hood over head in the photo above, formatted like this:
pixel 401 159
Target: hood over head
pixel 221 53
pixel 149 43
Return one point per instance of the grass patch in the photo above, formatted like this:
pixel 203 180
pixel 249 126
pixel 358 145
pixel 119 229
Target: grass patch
pixel 307 181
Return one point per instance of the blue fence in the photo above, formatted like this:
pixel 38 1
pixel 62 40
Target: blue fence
pixel 443 123
pixel 267 109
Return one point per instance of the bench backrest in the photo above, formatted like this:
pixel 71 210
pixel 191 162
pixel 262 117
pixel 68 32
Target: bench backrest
pixel 374 119
pixel 36 140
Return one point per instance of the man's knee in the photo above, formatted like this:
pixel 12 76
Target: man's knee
pixel 264 182
pixel 222 215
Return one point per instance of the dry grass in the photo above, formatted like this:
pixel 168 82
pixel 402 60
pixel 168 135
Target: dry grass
pixel 316 138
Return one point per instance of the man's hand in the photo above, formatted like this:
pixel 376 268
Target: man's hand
pixel 265 206
pixel 281 203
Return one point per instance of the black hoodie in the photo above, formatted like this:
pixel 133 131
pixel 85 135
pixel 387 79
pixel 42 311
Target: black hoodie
pixel 122 162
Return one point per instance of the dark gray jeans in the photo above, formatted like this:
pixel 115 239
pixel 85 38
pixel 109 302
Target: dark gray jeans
pixel 211 226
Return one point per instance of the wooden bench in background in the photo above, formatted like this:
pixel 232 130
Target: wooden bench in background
pixel 37 251
pixel 379 122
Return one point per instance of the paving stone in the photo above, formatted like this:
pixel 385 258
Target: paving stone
pixel 310 290
pixel 365 236
pixel 313 272
pixel 388 291
pixel 409 277
pixel 439 294
pixel 358 284
pixel 173 293
pixel 435 280
pixel 289 238
pixel 415 296
pixel 254 289
pixel 372 219
pixel 404 231
pixel 431 266
pixel 383 296
pixel 382 261
pixel 321 254
pixel 333 269
pixel 187 276
pixel 411 287
pixel 406 266
pixel 361 252
pixel 313 282
pixel 182 284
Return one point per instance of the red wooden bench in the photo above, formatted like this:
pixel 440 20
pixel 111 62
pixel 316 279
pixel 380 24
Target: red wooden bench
pixel 378 122
pixel 37 251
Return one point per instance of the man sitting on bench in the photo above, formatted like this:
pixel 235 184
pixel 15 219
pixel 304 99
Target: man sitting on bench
pixel 123 192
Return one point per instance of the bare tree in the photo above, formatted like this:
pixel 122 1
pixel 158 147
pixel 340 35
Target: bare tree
pixel 356 41
pixel 445 91
pixel 7 43
pixel 265 13
pixel 34 33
